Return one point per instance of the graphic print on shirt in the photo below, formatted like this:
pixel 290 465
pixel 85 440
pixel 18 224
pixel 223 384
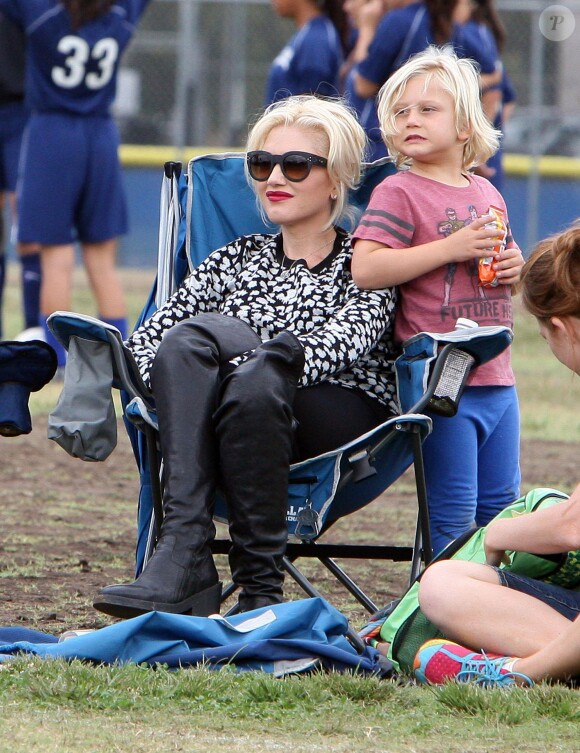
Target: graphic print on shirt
pixel 451 224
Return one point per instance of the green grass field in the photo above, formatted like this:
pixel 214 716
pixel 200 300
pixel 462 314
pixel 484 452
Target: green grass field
pixel 75 708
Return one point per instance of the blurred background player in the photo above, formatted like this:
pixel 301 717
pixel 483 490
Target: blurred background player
pixel 70 183
pixel 498 99
pixel 363 18
pixel 13 118
pixel 406 29
pixel 311 60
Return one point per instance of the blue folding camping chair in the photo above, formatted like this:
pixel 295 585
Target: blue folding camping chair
pixel 202 211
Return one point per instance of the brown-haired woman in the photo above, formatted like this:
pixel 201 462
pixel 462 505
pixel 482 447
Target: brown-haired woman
pixel 530 630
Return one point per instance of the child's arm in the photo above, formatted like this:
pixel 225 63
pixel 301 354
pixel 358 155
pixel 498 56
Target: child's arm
pixel 375 265
pixel 549 531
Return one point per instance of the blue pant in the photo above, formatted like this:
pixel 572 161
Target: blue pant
pixel 472 462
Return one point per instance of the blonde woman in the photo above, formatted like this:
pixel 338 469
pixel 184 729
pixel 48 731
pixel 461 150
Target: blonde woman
pixel 267 354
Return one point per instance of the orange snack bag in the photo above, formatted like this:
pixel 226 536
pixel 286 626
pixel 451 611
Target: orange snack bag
pixel 486 272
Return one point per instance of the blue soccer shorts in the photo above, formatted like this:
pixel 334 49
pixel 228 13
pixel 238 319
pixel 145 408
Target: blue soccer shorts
pixel 70 182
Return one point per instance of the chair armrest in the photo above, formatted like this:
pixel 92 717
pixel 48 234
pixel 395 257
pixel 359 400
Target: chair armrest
pixel 433 368
pixel 66 324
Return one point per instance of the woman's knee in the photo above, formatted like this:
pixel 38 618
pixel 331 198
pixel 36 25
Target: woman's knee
pixel 183 354
pixel 442 586
pixel 251 393
pixel 438 580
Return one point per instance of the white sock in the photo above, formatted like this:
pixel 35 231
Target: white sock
pixel 509 665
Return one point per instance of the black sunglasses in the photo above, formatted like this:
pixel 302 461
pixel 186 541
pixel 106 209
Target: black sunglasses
pixel 295 166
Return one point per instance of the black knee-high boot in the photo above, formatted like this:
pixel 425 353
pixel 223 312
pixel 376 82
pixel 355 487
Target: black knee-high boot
pixel 254 430
pixel 181 576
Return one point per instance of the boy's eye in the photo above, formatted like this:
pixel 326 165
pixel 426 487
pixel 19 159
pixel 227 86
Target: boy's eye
pixel 429 108
pixel 402 113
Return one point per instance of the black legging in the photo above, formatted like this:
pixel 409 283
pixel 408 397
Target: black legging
pixel 329 416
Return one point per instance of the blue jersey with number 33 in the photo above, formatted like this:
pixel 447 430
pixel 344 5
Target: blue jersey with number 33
pixel 73 71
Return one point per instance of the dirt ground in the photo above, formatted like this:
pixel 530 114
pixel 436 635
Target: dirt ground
pixel 67 528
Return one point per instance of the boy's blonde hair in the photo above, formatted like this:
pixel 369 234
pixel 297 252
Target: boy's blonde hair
pixel 459 77
pixel 342 139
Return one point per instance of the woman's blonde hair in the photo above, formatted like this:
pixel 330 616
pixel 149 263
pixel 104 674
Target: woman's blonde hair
pixel 459 77
pixel 550 278
pixel 342 140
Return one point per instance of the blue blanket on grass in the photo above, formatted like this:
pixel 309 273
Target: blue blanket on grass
pixel 285 638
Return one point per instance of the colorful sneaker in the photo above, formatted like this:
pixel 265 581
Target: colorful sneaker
pixel 438 661
pixel 371 632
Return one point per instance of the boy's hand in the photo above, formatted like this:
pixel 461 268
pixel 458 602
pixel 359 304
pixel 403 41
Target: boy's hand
pixel 473 240
pixel 508 266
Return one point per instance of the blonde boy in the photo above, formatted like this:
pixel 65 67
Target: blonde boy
pixel 424 230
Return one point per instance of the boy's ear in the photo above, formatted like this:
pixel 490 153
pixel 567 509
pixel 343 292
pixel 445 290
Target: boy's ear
pixel 464 134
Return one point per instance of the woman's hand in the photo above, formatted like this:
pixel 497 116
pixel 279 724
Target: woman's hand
pixel 508 266
pixel 496 557
pixel 493 555
pixel 369 14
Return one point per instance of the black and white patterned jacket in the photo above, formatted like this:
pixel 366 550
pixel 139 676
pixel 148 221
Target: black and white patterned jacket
pixel 346 333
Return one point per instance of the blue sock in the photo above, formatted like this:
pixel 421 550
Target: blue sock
pixel 30 274
pixel 54 343
pixel 120 324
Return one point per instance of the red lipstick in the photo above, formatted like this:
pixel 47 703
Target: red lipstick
pixel 278 195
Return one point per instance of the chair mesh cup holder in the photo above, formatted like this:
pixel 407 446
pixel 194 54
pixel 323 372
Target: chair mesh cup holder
pixel 451 383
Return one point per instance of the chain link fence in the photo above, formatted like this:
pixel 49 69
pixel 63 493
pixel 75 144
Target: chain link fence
pixel 196 71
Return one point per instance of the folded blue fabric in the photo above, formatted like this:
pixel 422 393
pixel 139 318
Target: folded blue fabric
pixel 25 367
pixel 285 638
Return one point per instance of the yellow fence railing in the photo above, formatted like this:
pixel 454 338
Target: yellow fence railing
pixel 548 167
pixel 135 155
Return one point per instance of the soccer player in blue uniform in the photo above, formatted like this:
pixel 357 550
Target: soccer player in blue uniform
pixel 488 33
pixel 71 183
pixel 403 32
pixel 310 62
pixel 13 118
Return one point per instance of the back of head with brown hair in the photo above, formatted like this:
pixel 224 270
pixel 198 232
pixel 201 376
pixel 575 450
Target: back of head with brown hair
pixel 550 281
pixel 335 11
pixel 84 11
pixel 441 16
pixel 485 12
